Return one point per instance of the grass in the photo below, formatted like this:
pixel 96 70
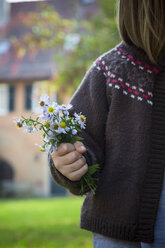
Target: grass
pixel 42 223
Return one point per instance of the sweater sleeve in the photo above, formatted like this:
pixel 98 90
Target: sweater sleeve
pixel 90 98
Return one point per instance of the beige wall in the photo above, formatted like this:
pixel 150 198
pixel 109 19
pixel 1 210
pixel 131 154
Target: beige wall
pixel 19 150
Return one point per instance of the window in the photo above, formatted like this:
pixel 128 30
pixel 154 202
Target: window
pixel 87 1
pixel 36 96
pixel 11 98
pixel 4 46
pixel 7 98
pixel 28 97
pixel 4 12
pixel 4 99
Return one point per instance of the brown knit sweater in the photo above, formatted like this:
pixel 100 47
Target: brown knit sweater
pixel 125 134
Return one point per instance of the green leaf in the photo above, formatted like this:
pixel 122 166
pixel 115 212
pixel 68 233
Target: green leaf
pixel 75 138
pixel 78 129
pixel 92 169
pixel 79 138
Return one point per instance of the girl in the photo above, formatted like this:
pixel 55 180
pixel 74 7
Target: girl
pixel 122 96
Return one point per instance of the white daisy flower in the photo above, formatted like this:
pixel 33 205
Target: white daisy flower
pixel 45 118
pixel 60 130
pixel 29 129
pixel 51 134
pixel 41 149
pixel 66 107
pixel 67 129
pixel 74 131
pixel 47 139
pixel 18 121
pixel 81 119
pixel 52 108
pixel 44 100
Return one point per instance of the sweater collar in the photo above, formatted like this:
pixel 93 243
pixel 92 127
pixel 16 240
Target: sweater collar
pixel 139 54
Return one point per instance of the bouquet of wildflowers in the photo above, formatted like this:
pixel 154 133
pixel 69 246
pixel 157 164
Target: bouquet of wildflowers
pixel 58 127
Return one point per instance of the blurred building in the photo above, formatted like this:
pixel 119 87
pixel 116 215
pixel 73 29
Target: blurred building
pixel 23 169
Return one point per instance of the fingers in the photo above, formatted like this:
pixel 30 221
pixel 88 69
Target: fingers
pixel 64 148
pixel 76 165
pixel 73 171
pixel 69 158
pixel 76 175
pixel 79 146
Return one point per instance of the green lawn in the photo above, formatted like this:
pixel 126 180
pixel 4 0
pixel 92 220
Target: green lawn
pixel 42 223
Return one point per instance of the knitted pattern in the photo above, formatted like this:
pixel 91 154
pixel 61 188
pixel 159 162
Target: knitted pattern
pixel 132 87
pixel 139 64
pixel 118 83
pixel 118 96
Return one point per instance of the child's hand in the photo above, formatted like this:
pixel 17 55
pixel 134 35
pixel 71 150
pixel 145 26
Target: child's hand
pixel 69 161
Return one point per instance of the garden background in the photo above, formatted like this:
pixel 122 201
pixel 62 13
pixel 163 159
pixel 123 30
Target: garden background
pixel 45 47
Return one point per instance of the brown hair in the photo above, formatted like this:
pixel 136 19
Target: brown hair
pixel 142 23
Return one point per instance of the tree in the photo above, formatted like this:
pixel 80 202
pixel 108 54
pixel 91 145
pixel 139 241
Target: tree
pixel 94 37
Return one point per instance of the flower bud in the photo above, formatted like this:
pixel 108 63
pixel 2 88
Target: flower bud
pixel 47 124
pixel 63 124
pixel 83 118
pixel 19 124
pixel 55 127
pixel 42 103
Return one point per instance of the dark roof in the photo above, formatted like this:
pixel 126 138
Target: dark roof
pixel 66 8
pixel 41 66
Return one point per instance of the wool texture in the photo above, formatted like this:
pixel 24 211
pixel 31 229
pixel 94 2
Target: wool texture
pixel 118 95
